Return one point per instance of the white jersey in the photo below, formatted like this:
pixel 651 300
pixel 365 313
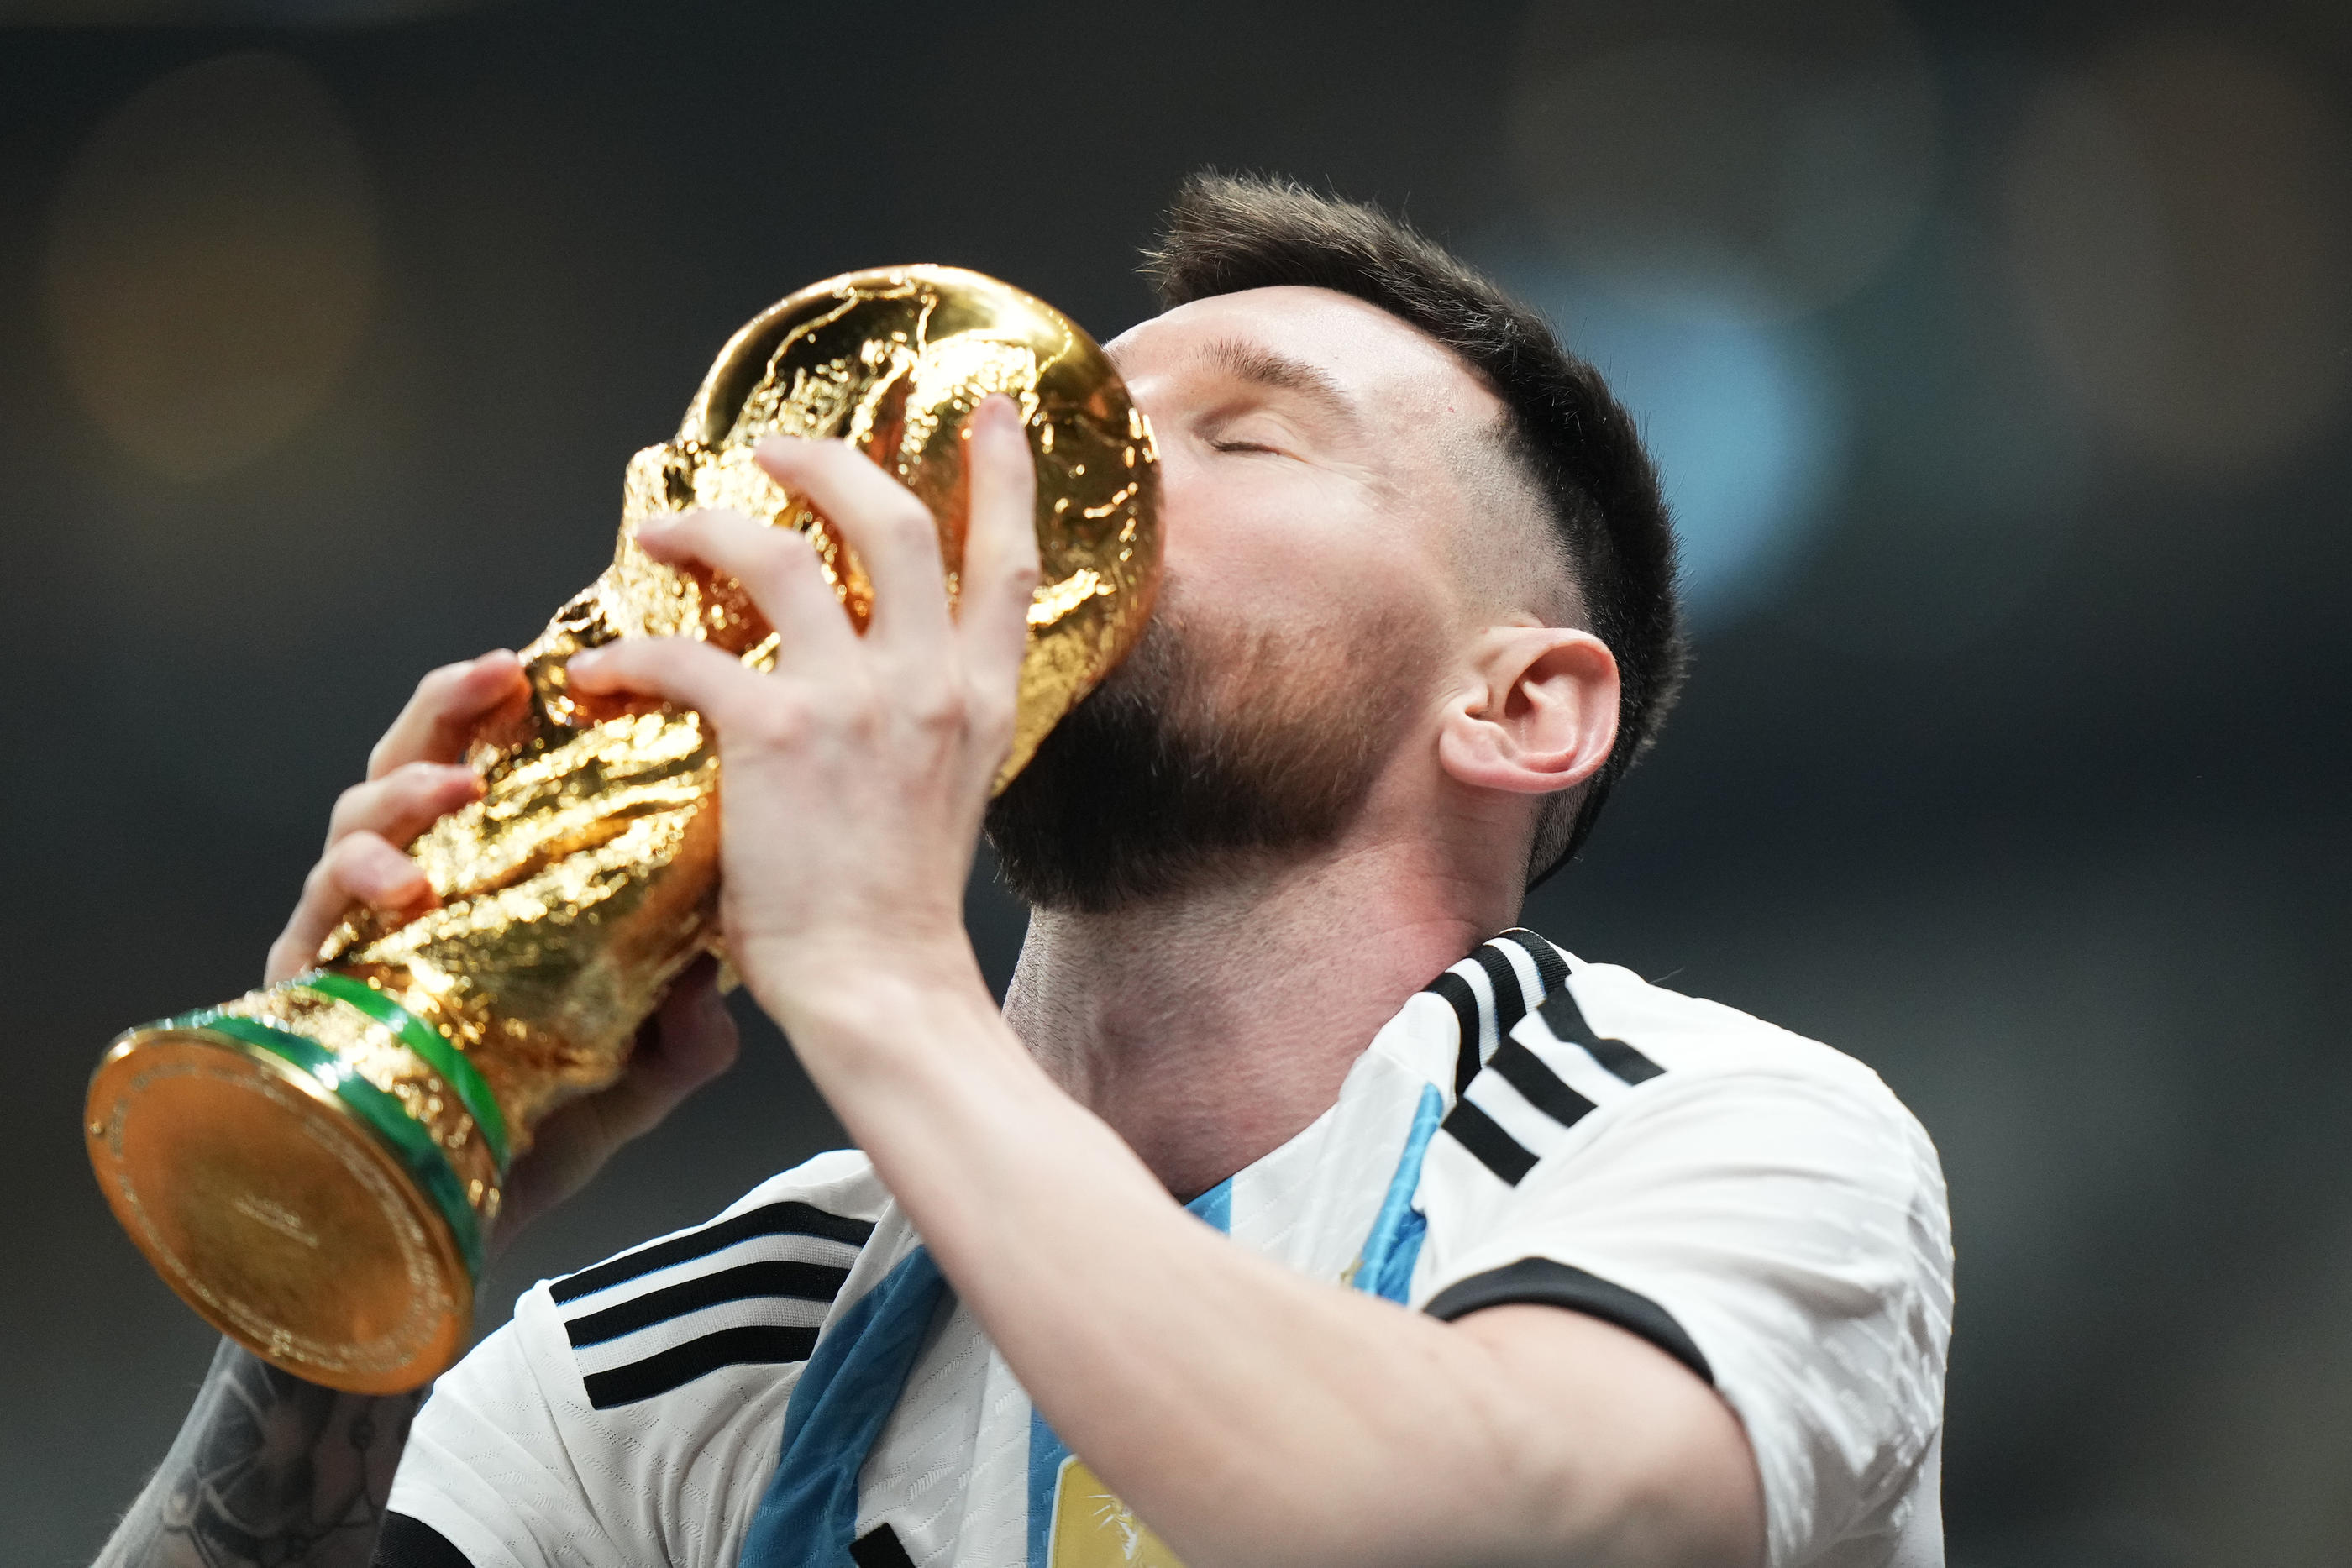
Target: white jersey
pixel 793 1383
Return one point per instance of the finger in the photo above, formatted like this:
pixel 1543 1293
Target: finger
pixel 885 523
pixel 405 802
pixel 439 719
pixel 777 567
pixel 1000 552
pixel 676 670
pixel 361 868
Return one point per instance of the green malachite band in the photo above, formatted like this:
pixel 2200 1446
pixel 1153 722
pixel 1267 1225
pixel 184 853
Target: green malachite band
pixel 426 1041
pixel 380 1112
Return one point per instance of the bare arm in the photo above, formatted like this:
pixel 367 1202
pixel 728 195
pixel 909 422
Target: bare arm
pixel 271 1471
pixel 1251 1414
pixel 268 1472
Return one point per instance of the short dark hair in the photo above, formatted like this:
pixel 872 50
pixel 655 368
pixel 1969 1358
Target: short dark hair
pixel 1565 434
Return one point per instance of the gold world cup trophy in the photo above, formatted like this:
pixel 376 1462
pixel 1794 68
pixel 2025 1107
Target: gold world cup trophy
pixel 315 1166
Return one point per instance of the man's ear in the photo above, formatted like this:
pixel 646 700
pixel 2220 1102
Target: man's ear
pixel 1536 711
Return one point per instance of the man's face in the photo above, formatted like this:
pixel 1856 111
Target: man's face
pixel 1309 447
pixel 1313 518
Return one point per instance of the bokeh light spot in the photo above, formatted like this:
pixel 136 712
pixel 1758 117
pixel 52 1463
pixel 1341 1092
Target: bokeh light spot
pixel 1748 422
pixel 1708 157
pixel 211 264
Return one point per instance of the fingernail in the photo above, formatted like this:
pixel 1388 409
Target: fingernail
pixel 586 660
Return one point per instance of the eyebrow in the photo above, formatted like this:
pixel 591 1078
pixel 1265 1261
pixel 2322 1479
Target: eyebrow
pixel 1260 366
pixel 1248 362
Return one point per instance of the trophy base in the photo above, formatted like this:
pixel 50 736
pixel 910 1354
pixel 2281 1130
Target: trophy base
pixel 294 1207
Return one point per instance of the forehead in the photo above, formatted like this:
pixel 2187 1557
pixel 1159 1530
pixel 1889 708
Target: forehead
pixel 1379 364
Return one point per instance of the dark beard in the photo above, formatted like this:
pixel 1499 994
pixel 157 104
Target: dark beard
pixel 1172 771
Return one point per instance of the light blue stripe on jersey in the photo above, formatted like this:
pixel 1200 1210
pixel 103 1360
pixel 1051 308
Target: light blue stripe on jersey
pixel 809 1514
pixel 1395 1245
pixel 1046 1449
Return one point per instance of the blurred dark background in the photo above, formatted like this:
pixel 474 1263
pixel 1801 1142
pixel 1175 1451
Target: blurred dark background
pixel 1997 355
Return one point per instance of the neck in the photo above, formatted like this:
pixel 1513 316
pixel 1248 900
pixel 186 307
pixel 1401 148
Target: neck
pixel 1211 1026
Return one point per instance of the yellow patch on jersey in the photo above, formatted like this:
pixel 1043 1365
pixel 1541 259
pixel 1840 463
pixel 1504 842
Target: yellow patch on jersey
pixel 1092 1529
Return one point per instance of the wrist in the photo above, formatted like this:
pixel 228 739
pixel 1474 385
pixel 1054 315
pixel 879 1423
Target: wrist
pixel 836 964
pixel 874 998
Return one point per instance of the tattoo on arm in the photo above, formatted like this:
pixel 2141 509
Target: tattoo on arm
pixel 268 1472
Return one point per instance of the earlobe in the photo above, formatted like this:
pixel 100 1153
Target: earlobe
pixel 1537 712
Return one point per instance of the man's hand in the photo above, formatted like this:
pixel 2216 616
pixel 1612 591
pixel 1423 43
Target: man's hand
pixel 857 770
pixel 415 775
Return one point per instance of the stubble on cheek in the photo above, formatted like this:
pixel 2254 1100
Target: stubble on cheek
pixel 1216 743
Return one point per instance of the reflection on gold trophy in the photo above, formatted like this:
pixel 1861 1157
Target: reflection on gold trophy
pixel 315 1166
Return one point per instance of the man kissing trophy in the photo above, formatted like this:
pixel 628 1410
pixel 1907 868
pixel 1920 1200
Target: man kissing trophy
pixel 1297 1206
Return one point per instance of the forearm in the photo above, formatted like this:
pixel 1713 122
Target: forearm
pixel 268 1472
pixel 1236 1405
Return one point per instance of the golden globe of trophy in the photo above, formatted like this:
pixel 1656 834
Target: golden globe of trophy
pixel 316 1165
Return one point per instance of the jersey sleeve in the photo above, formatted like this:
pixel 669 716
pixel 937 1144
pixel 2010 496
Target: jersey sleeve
pixel 489 1466
pixel 1756 1205
pixel 628 1415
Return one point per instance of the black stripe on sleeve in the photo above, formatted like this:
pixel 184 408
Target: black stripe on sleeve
pixel 1464 1003
pixel 757 1345
pixel 1541 1281
pixel 789 1218
pixel 880 1547
pixel 1566 1021
pixel 1551 969
pixel 799 1281
pixel 1511 1001
pixel 1495 1149
pixel 406 1542
pixel 1624 1060
pixel 1538 1085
